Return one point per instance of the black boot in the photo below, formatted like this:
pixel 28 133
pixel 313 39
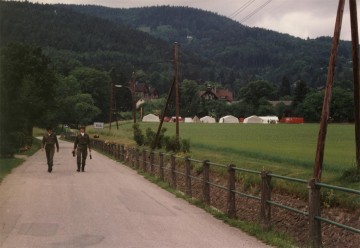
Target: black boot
pixel 78 168
pixel 83 168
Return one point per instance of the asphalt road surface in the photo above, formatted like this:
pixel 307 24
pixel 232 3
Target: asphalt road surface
pixel 108 205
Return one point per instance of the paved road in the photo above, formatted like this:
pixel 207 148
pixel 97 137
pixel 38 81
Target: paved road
pixel 108 205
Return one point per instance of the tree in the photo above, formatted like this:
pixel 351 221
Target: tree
pixel 97 84
pixel 79 109
pixel 26 92
pixel 285 87
pixel 255 92
pixel 341 106
pixel 300 92
pixel 189 98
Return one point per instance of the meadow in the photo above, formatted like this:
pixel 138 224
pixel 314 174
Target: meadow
pixel 283 149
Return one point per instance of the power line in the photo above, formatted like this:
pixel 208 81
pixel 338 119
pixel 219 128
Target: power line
pixel 241 9
pixel 255 11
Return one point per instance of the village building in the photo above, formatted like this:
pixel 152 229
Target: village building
pixel 145 92
pixel 216 94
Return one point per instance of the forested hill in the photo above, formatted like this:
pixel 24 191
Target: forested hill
pixel 70 37
pixel 213 47
pixel 249 52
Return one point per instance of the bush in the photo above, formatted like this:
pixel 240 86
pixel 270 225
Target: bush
pixel 171 144
pixel 351 175
pixel 185 145
pixel 138 135
pixel 11 143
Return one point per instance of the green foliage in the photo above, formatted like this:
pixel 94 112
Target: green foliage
pixel 256 94
pixel 175 145
pixel 172 144
pixel 26 93
pixel 7 164
pixel 185 145
pixel 351 175
pixel 138 135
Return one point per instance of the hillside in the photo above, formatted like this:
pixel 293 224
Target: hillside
pixel 67 35
pixel 212 47
pixel 247 52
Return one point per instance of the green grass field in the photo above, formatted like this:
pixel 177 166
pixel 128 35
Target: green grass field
pixel 283 149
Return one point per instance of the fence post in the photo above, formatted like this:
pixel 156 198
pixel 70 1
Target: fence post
pixel 122 154
pixel 172 171
pixel 206 179
pixel 152 162
pixel 161 166
pixel 265 211
pixel 137 158
pixel 188 176
pixel 114 150
pixel 231 194
pixel 314 210
pixel 132 156
pixel 117 152
pixel 144 160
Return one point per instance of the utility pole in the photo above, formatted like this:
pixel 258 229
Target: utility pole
pixel 326 104
pixel 111 105
pixel 173 85
pixel 356 76
pixel 176 77
pixel 133 94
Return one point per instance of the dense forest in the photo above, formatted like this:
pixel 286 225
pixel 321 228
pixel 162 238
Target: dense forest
pixel 57 63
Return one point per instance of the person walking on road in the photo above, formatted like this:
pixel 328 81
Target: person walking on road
pixel 82 143
pixel 48 142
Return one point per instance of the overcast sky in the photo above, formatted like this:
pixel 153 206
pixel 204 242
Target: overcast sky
pixel 300 18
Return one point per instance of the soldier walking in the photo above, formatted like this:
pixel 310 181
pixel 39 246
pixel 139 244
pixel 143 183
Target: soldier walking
pixel 82 143
pixel 48 142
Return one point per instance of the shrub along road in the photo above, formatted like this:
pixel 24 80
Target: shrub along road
pixel 108 205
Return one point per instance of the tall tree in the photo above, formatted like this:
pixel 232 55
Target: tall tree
pixel 300 92
pixel 255 92
pixel 27 91
pixel 285 87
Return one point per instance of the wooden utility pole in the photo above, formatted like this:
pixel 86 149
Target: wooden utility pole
pixel 111 104
pixel 133 95
pixel 176 77
pixel 355 57
pixel 175 84
pixel 326 104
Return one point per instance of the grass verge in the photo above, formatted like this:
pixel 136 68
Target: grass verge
pixel 7 164
pixel 254 229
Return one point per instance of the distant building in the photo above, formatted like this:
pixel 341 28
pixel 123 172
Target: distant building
pixel 143 91
pixel 216 94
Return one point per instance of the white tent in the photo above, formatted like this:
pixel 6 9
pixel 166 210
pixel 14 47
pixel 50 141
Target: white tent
pixel 253 119
pixel 262 119
pixel 196 119
pixel 229 119
pixel 207 119
pixel 270 119
pixel 151 118
pixel 188 120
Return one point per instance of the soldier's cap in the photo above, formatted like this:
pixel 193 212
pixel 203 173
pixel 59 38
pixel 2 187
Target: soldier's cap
pixel 82 127
pixel 49 128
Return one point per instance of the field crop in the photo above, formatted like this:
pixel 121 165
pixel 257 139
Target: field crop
pixel 284 149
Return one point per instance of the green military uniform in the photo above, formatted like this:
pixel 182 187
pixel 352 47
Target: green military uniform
pixel 82 143
pixel 48 142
